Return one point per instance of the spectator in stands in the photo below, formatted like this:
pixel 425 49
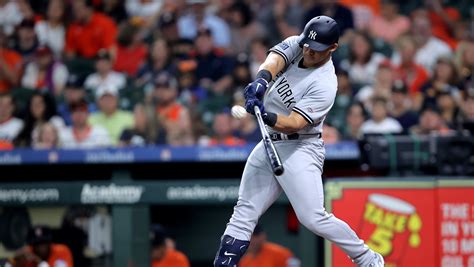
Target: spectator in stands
pixel 109 115
pixel 48 137
pixel 144 10
pixel 263 253
pixel 191 93
pixel 258 52
pixel 430 122
pixel 447 101
pixel 407 70
pixel 115 9
pixel 380 122
pixel 45 73
pixel 41 249
pixel 465 64
pixel 81 134
pixel 243 27
pixel 40 109
pixel 356 116
pixel 241 75
pixel 168 26
pixel 222 132
pixel 283 19
pixel 73 93
pixel 140 134
pixel 10 127
pixel 468 110
pixel 389 24
pixel 381 87
pixel 214 68
pixel 363 61
pixel 429 47
pixel 104 74
pixel 331 134
pixel 10 16
pixel 89 32
pixel 196 17
pixel 6 262
pixel 10 65
pixel 247 129
pixel 443 20
pixel 159 60
pixel 400 106
pixel 445 79
pixel 51 31
pixel 173 119
pixel 341 14
pixel 344 97
pixel 162 253
pixel 131 51
pixel 26 41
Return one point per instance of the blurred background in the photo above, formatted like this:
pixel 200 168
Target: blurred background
pixel 117 147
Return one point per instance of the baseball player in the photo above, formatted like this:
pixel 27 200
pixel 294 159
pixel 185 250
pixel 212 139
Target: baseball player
pixel 302 85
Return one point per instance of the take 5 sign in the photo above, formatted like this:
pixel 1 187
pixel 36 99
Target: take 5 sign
pixel 410 223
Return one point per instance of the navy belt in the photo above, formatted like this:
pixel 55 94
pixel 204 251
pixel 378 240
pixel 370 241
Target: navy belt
pixel 294 136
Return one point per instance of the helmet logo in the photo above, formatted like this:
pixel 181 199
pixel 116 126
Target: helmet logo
pixel 312 35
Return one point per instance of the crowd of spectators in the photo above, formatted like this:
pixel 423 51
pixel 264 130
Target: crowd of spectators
pixel 98 73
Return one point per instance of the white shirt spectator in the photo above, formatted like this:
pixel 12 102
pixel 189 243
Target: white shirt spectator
pixel 10 129
pixel 30 76
pixel 388 125
pixel 428 54
pixel 54 38
pixel 363 74
pixel 98 137
pixel 141 8
pixel 10 16
pixel 187 28
pixel 115 79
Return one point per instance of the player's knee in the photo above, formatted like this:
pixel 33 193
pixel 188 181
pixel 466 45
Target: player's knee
pixel 312 221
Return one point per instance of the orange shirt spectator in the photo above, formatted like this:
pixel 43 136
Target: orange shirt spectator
pixel 414 76
pixel 131 50
pixel 440 28
pixel 270 255
pixel 41 249
pixel 59 253
pixel 172 258
pixel 10 66
pixel 373 5
pixel 262 253
pixel 129 59
pixel 89 32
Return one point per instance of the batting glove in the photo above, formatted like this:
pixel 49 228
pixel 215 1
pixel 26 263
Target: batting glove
pixel 250 103
pixel 256 89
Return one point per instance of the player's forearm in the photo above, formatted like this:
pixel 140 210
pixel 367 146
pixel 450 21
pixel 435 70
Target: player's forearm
pixel 274 63
pixel 289 124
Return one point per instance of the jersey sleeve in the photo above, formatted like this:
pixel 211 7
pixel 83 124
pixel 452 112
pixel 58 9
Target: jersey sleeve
pixel 315 104
pixel 288 48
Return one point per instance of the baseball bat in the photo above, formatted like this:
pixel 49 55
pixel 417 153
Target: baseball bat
pixel 272 154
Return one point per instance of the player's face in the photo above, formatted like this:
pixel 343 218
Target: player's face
pixel 312 58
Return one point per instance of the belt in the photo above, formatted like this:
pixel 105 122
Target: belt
pixel 294 136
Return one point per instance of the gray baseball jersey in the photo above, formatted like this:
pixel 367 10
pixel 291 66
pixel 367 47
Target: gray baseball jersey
pixel 307 91
pixel 311 93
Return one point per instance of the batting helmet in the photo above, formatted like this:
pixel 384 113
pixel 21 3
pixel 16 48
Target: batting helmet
pixel 319 33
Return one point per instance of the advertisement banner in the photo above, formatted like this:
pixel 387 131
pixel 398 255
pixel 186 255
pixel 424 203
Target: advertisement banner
pixel 456 224
pixel 395 219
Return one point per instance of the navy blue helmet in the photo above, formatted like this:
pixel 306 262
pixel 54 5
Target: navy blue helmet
pixel 319 33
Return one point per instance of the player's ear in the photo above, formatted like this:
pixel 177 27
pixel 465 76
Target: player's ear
pixel 333 47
